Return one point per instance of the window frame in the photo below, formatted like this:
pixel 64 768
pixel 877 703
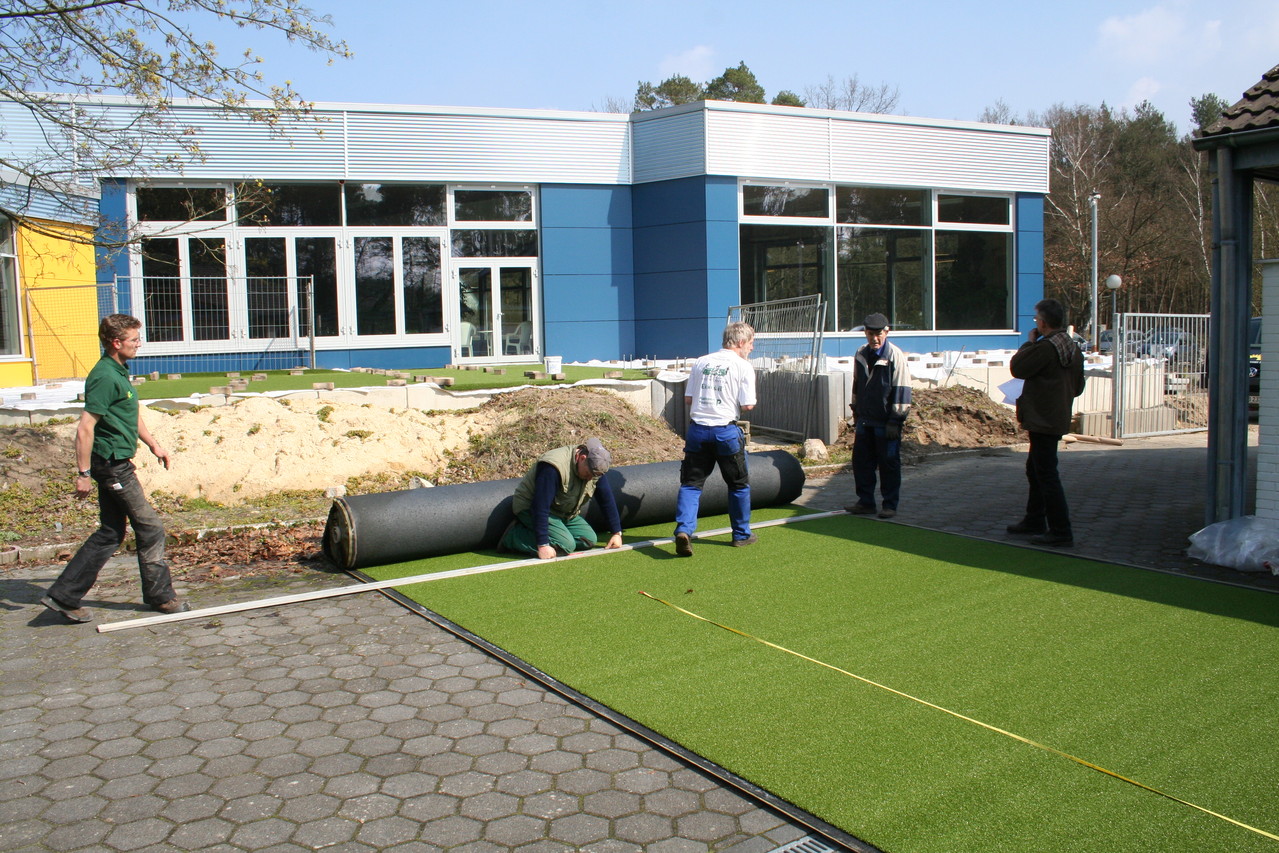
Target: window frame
pixel 236 232
pixel 10 260
pixel 758 219
pixel 929 233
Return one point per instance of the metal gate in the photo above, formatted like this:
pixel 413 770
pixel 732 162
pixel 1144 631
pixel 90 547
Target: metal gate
pixel 1160 373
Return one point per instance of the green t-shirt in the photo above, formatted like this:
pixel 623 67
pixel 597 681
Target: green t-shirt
pixel 109 394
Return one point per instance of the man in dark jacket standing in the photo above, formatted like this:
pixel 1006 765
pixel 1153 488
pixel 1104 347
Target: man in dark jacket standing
pixel 881 402
pixel 1051 368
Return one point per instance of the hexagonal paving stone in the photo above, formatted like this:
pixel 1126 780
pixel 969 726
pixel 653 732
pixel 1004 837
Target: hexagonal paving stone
pixel 351 726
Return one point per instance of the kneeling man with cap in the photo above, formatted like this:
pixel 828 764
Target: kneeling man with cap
pixel 550 499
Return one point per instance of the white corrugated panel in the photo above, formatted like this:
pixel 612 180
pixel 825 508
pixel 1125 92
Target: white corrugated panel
pixel 826 146
pixel 670 145
pixel 749 145
pixel 26 201
pixel 380 142
pixel 236 147
pixel 489 148
pixel 948 157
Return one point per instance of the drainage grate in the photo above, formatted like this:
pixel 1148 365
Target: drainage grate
pixel 807 844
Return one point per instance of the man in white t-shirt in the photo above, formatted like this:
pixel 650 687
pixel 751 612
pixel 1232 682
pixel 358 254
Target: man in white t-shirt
pixel 720 388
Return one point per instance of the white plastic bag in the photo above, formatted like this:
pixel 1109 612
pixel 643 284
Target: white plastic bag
pixel 1247 543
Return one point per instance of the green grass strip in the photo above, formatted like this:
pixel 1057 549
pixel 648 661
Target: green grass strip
pixel 1162 679
pixel 283 380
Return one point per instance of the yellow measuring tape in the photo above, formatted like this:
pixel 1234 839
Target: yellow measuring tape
pixel 960 716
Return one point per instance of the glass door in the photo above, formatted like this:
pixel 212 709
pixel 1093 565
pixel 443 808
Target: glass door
pixel 496 313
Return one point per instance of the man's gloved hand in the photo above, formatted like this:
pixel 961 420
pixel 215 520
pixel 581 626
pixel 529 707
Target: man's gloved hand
pixel 893 432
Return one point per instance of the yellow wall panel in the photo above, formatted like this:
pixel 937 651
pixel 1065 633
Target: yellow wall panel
pixel 14 374
pixel 58 274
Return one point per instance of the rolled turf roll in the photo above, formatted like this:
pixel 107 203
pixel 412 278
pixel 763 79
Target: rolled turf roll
pixel 372 530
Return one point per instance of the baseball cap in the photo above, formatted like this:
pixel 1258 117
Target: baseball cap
pixel 598 459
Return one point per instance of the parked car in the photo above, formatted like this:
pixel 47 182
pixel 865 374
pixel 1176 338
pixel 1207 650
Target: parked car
pixel 1173 344
pixel 1106 341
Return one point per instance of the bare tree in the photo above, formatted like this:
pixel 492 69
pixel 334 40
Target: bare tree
pixel 851 95
pixel 613 104
pixel 147 51
pixel 1000 113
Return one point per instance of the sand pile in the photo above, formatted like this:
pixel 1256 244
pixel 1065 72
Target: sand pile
pixel 262 445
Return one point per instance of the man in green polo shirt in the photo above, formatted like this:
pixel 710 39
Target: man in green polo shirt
pixel 105 443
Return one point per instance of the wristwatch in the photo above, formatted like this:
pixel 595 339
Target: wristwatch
pixel 82 473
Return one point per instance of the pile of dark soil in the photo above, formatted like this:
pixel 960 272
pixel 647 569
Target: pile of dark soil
pixel 944 420
pixel 535 420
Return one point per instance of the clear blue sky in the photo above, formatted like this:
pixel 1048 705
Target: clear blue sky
pixel 948 59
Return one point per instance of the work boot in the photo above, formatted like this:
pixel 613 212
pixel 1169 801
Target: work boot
pixel 75 614
pixel 742 543
pixel 860 509
pixel 175 605
pixel 887 512
pixel 1026 527
pixel 683 544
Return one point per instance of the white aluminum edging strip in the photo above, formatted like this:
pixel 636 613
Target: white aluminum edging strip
pixel 316 595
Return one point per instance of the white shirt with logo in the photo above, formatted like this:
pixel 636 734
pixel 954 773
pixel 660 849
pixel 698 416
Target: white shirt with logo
pixel 720 384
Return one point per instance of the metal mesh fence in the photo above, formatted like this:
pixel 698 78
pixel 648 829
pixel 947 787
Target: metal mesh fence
pixel 787 359
pixel 1161 378
pixel 270 317
pixel 62 328
pixel 788 332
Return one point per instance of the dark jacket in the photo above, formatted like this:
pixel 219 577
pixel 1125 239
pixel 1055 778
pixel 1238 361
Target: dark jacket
pixel 881 385
pixel 1052 369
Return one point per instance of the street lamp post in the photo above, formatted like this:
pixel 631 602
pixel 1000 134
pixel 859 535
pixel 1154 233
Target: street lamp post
pixel 1113 283
pixel 1092 203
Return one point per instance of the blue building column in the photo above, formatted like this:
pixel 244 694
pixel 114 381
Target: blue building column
pixel 686 264
pixel 588 281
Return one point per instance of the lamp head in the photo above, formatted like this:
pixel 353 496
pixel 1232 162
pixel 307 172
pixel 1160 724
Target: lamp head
pixel 1114 282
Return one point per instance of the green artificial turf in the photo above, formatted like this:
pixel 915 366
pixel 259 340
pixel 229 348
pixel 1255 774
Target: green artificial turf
pixel 1166 680
pixel 283 380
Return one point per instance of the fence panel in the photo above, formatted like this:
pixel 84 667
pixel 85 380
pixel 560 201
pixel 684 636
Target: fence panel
pixel 1161 380
pixel 270 317
pixel 787 359
pixel 62 328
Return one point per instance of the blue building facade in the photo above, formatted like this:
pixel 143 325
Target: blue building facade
pixel 413 237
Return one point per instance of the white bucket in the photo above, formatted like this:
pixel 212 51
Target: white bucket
pixel 554 363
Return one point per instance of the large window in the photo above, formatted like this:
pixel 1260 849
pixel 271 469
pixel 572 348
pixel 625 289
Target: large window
pixel 493 205
pixel 184 282
pixel 293 205
pixel 395 204
pixel 882 270
pixel 181 204
pixel 10 342
pixel 781 262
pixel 929 261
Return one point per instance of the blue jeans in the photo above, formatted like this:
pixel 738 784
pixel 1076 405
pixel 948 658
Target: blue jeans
pixel 873 452
pixel 705 447
pixel 120 500
pixel 1047 499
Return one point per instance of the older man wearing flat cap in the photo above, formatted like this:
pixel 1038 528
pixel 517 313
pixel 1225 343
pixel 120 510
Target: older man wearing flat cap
pixel 550 499
pixel 881 402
